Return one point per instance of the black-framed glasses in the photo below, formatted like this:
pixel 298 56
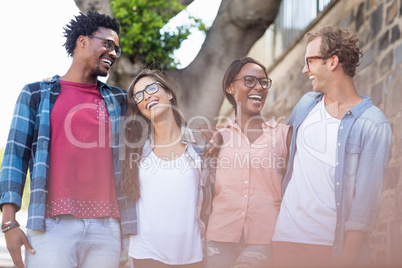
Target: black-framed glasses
pixel 110 45
pixel 250 81
pixel 308 59
pixel 150 89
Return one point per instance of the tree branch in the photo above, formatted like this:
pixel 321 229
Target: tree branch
pixel 238 25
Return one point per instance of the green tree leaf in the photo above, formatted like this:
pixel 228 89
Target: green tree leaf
pixel 141 36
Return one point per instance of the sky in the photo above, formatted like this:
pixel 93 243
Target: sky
pixel 32 45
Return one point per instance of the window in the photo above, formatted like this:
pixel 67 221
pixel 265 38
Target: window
pixel 293 17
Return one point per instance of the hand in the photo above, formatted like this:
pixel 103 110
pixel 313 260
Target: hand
pixel 15 238
pixel 351 248
pixel 215 139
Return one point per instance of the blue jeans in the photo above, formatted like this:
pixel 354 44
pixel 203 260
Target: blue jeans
pixel 71 242
pixel 237 255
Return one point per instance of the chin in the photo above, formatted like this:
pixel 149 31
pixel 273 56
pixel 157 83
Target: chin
pixel 317 90
pixel 103 74
pixel 253 112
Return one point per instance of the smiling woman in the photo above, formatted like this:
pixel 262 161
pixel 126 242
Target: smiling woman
pixel 164 174
pixel 252 165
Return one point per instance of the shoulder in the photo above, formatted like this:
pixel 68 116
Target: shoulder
pixel 43 85
pixel 310 97
pixel 194 136
pixel 374 115
pixel 115 91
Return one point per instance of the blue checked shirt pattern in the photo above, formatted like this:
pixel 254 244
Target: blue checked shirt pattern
pixel 363 151
pixel 29 140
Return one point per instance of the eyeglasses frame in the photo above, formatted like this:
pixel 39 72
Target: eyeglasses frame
pixel 257 80
pixel 306 59
pixel 145 90
pixel 116 48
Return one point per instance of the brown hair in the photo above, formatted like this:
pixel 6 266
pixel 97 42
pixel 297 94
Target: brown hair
pixel 136 127
pixel 231 72
pixel 340 42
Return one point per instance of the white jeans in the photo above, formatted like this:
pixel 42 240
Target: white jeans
pixel 70 242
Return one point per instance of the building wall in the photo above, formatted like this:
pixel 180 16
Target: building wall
pixel 378 23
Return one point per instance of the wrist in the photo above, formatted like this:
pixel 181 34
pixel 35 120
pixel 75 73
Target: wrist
pixel 9 225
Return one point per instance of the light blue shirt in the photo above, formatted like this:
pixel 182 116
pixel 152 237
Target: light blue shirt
pixel 363 151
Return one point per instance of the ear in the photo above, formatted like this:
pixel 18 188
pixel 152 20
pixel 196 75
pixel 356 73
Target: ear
pixel 81 41
pixel 230 89
pixel 170 96
pixel 334 62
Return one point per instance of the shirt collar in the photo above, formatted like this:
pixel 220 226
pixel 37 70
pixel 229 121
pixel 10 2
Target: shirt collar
pixel 358 109
pixel 267 124
pixel 361 107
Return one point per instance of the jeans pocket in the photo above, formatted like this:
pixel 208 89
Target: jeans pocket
pixel 114 229
pixel 49 224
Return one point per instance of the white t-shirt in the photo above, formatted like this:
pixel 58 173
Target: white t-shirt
pixel 308 211
pixel 168 230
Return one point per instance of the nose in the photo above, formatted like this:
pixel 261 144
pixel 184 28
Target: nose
pixel 305 70
pixel 114 53
pixel 146 95
pixel 258 85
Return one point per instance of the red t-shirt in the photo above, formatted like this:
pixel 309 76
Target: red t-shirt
pixel 81 175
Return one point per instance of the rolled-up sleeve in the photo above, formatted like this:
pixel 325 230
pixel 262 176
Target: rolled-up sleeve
pixel 372 165
pixel 18 150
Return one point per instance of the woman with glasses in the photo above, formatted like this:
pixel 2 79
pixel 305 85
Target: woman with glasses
pixel 249 172
pixel 164 175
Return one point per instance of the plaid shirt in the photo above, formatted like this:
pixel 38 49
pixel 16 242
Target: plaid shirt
pixel 29 141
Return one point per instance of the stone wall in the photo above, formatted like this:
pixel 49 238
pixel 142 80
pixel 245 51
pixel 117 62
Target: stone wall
pixel 378 23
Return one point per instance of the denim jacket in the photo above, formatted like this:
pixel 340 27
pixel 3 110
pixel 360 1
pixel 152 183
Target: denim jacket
pixel 363 151
pixel 196 145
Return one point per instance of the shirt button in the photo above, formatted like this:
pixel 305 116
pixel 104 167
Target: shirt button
pixel 339 144
pixel 337 163
pixel 338 204
pixel 337 184
pixel 242 213
pixel 341 127
pixel 245 195
pixel 246 182
pixel 348 112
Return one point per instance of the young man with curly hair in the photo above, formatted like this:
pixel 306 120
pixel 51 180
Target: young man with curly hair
pixel 338 156
pixel 66 132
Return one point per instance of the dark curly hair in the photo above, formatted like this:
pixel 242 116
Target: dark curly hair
pixel 340 42
pixel 87 24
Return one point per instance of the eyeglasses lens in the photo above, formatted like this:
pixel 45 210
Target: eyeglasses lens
pixel 110 45
pixel 250 81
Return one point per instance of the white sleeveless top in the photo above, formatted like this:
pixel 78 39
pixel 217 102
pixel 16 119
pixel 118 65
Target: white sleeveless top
pixel 308 211
pixel 168 230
